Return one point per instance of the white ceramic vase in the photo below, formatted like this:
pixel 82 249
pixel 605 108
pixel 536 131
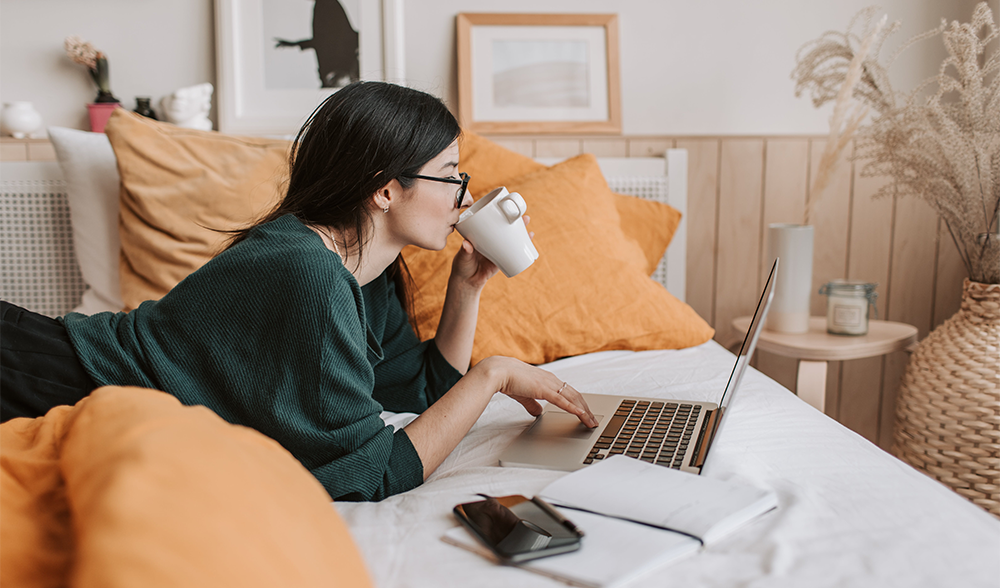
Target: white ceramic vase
pixel 20 119
pixel 793 244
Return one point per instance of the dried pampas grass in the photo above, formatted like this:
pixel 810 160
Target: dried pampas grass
pixel 848 112
pixel 941 141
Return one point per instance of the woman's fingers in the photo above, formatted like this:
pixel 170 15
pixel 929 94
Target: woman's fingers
pixel 568 399
pixel 527 384
pixel 472 267
pixel 531 405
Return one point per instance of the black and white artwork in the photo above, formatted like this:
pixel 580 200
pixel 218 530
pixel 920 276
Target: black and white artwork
pixel 310 43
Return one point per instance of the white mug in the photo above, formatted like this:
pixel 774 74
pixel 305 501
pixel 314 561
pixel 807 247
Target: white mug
pixel 495 228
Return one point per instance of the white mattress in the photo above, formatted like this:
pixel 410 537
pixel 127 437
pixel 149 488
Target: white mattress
pixel 849 515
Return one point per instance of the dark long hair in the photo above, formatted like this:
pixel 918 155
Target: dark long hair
pixel 358 140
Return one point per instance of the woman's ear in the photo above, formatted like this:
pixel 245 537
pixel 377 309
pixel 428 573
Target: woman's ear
pixel 387 194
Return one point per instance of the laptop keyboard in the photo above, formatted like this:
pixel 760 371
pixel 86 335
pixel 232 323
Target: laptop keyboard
pixel 655 432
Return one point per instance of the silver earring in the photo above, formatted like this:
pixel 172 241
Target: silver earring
pixel 385 210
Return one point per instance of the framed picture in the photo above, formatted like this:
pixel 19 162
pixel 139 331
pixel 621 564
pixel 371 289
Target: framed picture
pixel 277 60
pixel 538 73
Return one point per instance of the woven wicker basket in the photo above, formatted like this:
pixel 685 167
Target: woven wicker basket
pixel 948 410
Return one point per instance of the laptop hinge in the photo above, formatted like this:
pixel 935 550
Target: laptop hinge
pixel 708 433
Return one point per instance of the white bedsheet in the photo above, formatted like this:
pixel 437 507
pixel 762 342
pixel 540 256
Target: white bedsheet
pixel 849 515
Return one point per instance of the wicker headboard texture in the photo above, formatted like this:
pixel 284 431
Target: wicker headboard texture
pixel 38 267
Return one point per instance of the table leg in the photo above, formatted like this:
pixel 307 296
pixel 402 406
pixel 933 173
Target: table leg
pixel 810 384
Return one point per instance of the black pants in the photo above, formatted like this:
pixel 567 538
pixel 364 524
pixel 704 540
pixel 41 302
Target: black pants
pixel 38 367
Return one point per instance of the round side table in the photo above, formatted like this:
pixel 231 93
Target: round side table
pixel 816 347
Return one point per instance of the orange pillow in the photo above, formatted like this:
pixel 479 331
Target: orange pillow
pixel 137 490
pixel 651 224
pixel 179 188
pixel 588 291
pixel 491 165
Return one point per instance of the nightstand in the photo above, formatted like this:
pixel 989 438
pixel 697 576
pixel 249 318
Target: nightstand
pixel 816 347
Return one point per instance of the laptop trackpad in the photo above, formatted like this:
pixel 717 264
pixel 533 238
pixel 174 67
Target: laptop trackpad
pixel 562 425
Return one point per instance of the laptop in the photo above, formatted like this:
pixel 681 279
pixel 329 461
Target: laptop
pixel 671 433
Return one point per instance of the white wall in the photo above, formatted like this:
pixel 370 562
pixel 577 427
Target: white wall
pixel 153 48
pixel 708 67
pixel 717 67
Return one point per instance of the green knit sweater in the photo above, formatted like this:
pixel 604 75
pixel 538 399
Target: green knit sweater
pixel 275 334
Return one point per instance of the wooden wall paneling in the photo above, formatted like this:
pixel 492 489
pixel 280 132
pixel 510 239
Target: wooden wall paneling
pixel 525 147
pixel 834 371
pixel 831 221
pixel 782 370
pixel 894 366
pixel 649 146
pixel 41 151
pixel 11 150
pixel 563 148
pixel 868 255
pixel 786 178
pixel 786 172
pixel 911 282
pixel 861 396
pixel 703 192
pixel 739 229
pixel 606 147
pixel 911 293
pixel 870 243
pixel 951 273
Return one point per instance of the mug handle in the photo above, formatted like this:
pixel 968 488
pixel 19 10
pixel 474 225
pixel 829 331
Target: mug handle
pixel 513 207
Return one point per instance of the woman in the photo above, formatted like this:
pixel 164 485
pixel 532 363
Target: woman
pixel 299 329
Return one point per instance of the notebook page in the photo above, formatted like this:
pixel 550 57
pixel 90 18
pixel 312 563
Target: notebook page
pixel 612 552
pixel 638 491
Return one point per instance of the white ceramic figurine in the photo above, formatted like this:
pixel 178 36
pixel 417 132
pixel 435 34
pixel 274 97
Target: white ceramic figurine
pixel 189 107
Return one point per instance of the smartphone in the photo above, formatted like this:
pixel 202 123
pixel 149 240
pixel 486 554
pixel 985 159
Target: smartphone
pixel 518 529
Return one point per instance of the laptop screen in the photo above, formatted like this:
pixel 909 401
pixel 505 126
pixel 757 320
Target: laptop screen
pixel 750 341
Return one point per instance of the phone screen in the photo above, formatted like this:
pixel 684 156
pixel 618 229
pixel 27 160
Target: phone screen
pixel 517 529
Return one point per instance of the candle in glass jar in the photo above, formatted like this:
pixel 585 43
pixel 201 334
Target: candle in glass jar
pixel 847 306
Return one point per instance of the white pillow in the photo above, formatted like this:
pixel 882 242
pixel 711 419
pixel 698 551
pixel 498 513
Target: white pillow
pixel 92 183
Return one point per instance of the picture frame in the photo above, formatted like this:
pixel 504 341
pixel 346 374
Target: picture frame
pixel 538 73
pixel 253 100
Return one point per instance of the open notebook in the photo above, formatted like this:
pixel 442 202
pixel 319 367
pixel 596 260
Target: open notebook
pixel 636 517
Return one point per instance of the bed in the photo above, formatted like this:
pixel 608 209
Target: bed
pixel 849 514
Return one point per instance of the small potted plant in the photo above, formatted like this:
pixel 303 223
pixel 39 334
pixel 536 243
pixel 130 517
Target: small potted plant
pixel 96 62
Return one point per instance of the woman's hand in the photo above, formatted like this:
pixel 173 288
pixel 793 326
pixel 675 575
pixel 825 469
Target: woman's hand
pixel 437 431
pixel 528 384
pixel 470 271
pixel 470 268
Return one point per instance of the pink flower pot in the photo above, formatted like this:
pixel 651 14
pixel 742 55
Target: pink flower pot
pixel 100 112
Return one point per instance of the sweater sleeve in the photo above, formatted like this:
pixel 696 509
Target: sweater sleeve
pixel 368 460
pixel 270 334
pixel 412 374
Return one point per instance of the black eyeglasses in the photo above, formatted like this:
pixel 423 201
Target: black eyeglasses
pixel 463 184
